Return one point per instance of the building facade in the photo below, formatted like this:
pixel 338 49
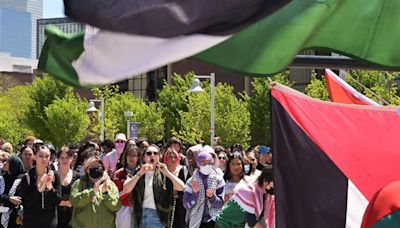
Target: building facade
pixel 35 8
pixel 64 24
pixel 10 63
pixel 15 32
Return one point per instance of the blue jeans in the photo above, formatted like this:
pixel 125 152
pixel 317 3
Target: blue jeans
pixel 150 219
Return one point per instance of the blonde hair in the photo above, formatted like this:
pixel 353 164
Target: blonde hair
pixel 4 155
pixel 7 147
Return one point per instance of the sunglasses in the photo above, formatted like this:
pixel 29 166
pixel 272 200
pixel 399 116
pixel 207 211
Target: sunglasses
pixel 221 158
pixel 119 141
pixel 149 153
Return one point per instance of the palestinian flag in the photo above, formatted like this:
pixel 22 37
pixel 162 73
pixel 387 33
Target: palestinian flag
pixel 329 158
pixel 171 18
pixel 159 35
pixel 341 92
pixel 384 209
pixel 101 57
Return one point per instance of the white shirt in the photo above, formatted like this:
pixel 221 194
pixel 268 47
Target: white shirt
pixel 148 201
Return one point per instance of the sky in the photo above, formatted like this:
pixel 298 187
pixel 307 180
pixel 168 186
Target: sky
pixel 53 8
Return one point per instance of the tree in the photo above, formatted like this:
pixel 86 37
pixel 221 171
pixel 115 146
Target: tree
pixel 13 106
pixel 67 120
pixel 42 93
pixel 151 123
pixel 232 119
pixel 259 108
pixel 174 99
pixel 317 88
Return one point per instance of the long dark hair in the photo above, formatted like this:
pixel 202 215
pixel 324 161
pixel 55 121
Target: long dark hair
pixel 228 175
pixel 122 159
pixel 266 175
pixel 124 163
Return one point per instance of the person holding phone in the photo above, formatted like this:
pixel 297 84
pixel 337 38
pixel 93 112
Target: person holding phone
pixel 94 197
pixel 152 190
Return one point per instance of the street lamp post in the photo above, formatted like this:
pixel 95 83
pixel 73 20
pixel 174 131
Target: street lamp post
pixel 196 88
pixel 92 108
pixel 128 115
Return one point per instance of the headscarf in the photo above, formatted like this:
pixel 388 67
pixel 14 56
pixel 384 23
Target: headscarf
pixel 16 166
pixel 196 150
pixel 203 156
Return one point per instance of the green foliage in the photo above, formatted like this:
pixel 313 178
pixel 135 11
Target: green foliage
pixel 317 89
pixel 259 108
pixel 106 91
pixel 174 99
pixel 67 120
pixel 151 123
pixel 42 93
pixel 232 119
pixel 13 106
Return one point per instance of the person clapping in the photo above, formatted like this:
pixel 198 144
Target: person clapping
pixel 40 192
pixel 152 193
pixel 94 197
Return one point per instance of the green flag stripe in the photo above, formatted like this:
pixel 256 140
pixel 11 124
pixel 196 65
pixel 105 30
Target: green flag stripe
pixel 365 29
pixel 389 221
pixel 58 53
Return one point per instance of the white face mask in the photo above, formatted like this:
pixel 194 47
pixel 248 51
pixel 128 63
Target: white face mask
pixel 206 169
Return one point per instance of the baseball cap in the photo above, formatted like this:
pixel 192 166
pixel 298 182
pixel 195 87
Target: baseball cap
pixel 264 150
pixel 38 141
pixel 120 136
pixel 51 148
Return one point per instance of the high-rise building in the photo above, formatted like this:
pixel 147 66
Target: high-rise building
pixel 35 7
pixel 15 32
pixel 64 24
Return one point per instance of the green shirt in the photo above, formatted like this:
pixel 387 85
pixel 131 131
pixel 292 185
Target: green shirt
pixel 99 213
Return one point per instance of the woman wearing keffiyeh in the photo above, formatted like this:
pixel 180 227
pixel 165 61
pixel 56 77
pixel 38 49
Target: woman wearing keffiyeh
pixel 204 193
pixel 252 204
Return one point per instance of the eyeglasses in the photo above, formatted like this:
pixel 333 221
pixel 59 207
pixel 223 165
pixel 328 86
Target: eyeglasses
pixel 149 153
pixel 221 158
pixel 119 141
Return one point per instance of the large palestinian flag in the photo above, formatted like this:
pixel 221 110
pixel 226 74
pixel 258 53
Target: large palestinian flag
pixel 330 158
pixel 253 37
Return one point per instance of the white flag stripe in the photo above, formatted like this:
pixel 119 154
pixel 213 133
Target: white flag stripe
pixel 349 88
pixel 356 205
pixel 111 56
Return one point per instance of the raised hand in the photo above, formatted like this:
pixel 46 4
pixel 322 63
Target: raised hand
pixel 195 186
pixel 105 187
pixel 210 193
pixel 49 180
pixel 163 168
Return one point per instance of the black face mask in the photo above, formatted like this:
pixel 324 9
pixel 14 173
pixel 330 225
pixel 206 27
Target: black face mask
pixel 270 191
pixel 96 172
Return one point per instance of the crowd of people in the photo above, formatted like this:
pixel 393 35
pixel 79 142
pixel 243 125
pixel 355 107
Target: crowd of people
pixel 133 183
